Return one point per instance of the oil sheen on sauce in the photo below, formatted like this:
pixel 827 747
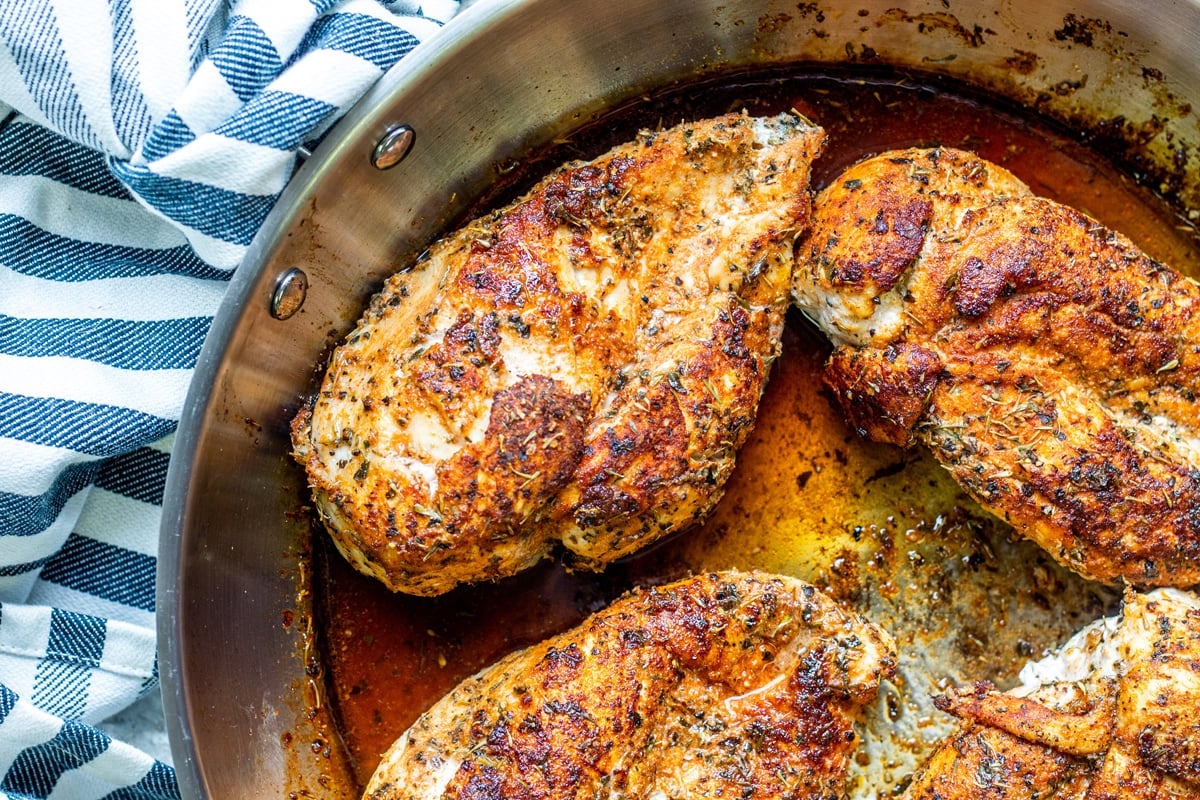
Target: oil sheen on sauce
pixel 884 529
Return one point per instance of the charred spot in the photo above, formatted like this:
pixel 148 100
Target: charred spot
pixel 1168 753
pixel 696 622
pixel 499 737
pixel 898 232
pixel 536 410
pixel 881 223
pixel 849 271
pixel 730 329
pixel 1022 62
pixel 1103 477
pixel 884 393
pixel 568 658
pixel 575 198
pixel 632 639
pixel 911 220
pixel 468 336
pixel 727 596
pixel 494 283
pixel 1008 269
pixel 602 502
pixel 519 325
pixel 1081 30
pixel 567 708
pixel 484 783
pixel 621 445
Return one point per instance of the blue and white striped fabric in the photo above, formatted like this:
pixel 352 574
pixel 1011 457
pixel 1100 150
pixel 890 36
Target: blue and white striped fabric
pixel 142 143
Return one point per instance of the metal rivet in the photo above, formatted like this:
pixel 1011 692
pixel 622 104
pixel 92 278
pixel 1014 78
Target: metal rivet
pixel 393 147
pixel 291 287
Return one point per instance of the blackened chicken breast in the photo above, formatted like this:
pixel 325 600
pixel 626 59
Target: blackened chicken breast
pixel 722 685
pixel 1051 366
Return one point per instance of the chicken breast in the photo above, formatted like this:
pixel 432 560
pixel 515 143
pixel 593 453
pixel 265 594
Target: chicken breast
pixel 722 685
pixel 580 366
pixel 1051 366
pixel 1114 714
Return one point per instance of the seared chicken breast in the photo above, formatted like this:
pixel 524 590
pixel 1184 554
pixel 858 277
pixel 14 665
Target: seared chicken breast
pixel 1114 714
pixel 1051 366
pixel 580 366
pixel 728 685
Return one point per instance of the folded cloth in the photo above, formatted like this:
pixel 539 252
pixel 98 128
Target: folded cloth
pixel 142 143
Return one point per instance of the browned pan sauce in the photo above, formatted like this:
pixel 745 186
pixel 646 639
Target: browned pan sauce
pixel 885 530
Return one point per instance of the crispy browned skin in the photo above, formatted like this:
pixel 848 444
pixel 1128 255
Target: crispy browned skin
pixel 580 366
pixel 728 685
pixel 1129 727
pixel 1050 365
pixel 984 763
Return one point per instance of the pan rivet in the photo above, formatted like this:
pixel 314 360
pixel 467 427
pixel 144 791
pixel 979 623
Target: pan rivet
pixel 393 147
pixel 291 287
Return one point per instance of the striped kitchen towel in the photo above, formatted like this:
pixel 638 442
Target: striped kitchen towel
pixel 142 143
